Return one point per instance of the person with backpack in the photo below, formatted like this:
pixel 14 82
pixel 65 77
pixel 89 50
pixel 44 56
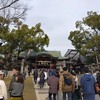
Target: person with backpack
pixel 87 84
pixel 66 84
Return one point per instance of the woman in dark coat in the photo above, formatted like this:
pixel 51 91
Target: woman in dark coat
pixel 53 85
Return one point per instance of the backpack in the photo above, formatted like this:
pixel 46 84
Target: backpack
pixel 67 81
pixel 42 75
pixel 50 72
pixel 35 72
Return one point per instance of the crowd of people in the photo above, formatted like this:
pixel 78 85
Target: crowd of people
pixel 73 85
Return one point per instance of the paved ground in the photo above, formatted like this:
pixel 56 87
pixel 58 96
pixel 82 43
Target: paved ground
pixel 42 94
pixel 97 97
pixel 29 93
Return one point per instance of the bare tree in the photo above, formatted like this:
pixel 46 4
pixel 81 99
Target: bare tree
pixel 7 4
pixel 11 10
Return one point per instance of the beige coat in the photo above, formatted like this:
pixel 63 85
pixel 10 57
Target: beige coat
pixel 62 86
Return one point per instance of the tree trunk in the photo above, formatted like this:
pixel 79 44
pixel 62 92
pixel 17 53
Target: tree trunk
pixel 97 61
pixel 22 65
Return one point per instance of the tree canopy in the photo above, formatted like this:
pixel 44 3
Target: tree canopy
pixel 15 36
pixel 86 37
pixel 22 38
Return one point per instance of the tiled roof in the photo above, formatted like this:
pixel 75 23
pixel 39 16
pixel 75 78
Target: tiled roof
pixel 72 54
pixel 32 53
pixel 55 53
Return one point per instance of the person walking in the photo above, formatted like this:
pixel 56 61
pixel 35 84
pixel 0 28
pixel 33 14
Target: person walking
pixel 51 69
pixel 42 80
pixel 15 71
pixel 95 74
pixel 35 75
pixel 77 92
pixel 87 83
pixel 17 88
pixel 98 83
pixel 66 88
pixel 3 88
pixel 53 86
pixel 46 76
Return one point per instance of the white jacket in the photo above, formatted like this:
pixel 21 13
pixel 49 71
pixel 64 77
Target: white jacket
pixel 3 90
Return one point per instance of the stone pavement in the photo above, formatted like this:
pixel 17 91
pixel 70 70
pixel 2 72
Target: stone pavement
pixel 42 94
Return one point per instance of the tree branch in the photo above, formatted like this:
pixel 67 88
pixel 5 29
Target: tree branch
pixel 9 4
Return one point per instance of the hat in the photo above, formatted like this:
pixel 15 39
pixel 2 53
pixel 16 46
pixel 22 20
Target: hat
pixel 1 72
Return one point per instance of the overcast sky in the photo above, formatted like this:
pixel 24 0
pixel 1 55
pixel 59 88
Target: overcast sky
pixel 58 18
